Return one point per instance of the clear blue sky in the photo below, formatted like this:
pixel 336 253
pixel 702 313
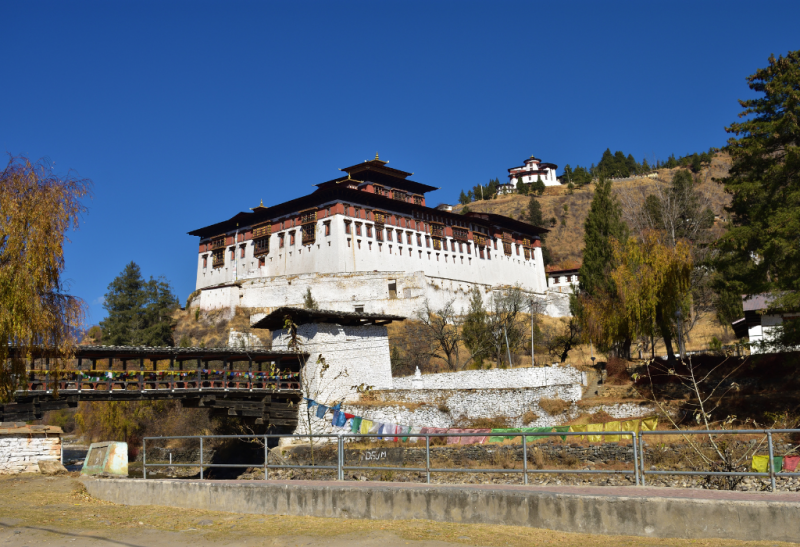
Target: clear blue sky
pixel 185 113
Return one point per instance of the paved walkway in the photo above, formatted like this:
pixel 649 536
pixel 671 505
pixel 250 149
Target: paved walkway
pixel 602 491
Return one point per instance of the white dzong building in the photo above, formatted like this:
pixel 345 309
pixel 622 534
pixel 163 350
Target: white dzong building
pixel 532 170
pixel 364 242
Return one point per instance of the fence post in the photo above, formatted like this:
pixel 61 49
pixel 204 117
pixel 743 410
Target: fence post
pixel 340 460
pixel 524 460
pixel 144 458
pixel 635 459
pixel 266 459
pixel 771 465
pixel 201 458
pixel 428 456
pixel 641 455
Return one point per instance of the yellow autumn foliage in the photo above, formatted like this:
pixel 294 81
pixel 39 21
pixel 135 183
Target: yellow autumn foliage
pixel 651 279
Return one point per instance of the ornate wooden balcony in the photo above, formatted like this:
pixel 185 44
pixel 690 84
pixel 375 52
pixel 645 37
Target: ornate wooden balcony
pixel 460 234
pixel 307 217
pixel 218 243
pixel 262 230
pixel 261 246
pixel 437 230
pixel 309 234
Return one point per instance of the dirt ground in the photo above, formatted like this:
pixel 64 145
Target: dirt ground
pixel 56 511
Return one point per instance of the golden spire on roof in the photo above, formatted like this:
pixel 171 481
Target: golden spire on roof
pixel 376 156
pixel 260 205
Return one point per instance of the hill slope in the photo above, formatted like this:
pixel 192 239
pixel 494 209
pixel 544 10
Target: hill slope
pixel 565 240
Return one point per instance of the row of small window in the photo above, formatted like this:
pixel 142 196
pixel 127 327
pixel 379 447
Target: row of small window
pixel 480 251
pixel 437 243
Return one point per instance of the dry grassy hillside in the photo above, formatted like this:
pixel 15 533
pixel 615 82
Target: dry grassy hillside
pixel 211 329
pixel 565 240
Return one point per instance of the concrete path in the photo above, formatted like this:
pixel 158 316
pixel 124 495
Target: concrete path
pixel 635 511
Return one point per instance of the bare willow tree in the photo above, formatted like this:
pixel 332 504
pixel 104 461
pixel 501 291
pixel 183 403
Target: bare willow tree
pixel 442 328
pixel 37 207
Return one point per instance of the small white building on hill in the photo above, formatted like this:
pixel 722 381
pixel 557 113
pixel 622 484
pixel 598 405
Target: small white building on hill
pixel 532 170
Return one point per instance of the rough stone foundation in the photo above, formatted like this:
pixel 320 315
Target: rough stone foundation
pixel 23 446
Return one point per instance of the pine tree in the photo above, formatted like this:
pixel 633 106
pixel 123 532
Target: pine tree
pixel 633 167
pixel 474 328
pixel 522 188
pixel 538 186
pixel 463 199
pixel 759 251
pixel 620 165
pixel 139 311
pixel 568 176
pixel 604 226
pixel 535 215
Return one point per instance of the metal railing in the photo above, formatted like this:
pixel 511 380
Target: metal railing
pixel 639 470
pixel 771 473
pixel 340 466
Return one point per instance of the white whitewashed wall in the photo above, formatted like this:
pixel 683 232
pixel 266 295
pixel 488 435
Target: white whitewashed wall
pixel 496 378
pixel 20 453
pixel 354 355
pixel 345 271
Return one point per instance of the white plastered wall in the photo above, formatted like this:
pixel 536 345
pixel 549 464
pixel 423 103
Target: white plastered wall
pixel 345 271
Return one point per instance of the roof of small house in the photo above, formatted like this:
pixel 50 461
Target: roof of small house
pixel 564 267
pixel 754 302
pixel 21 428
pixel 302 316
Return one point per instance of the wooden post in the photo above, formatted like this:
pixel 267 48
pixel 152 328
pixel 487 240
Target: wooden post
pixel 172 369
pixel 199 363
pixel 141 373
pixel 249 372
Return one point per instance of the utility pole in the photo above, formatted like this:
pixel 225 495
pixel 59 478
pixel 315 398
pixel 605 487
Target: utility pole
pixel 508 350
pixel 532 362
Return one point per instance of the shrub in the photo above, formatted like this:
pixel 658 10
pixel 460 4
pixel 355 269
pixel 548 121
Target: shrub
pixel 617 371
pixel 529 417
pixel 553 406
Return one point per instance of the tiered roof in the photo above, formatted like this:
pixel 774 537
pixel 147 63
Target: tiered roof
pixel 351 189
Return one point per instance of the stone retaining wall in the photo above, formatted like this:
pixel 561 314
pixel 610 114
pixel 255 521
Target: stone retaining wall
pixel 495 378
pixel 21 447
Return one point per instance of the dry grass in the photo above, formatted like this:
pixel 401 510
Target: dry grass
pixel 529 417
pixel 497 422
pixel 374 403
pixel 554 406
pixel 211 329
pixel 565 240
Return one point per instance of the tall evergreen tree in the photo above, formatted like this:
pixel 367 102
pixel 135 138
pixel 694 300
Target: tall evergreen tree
pixel 535 215
pixel 538 186
pixel 463 199
pixel 603 223
pixel 139 311
pixel 759 252
pixel 603 226
pixel 620 165
pixel 633 167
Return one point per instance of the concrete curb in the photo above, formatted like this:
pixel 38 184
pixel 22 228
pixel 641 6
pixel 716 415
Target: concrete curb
pixel 648 516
